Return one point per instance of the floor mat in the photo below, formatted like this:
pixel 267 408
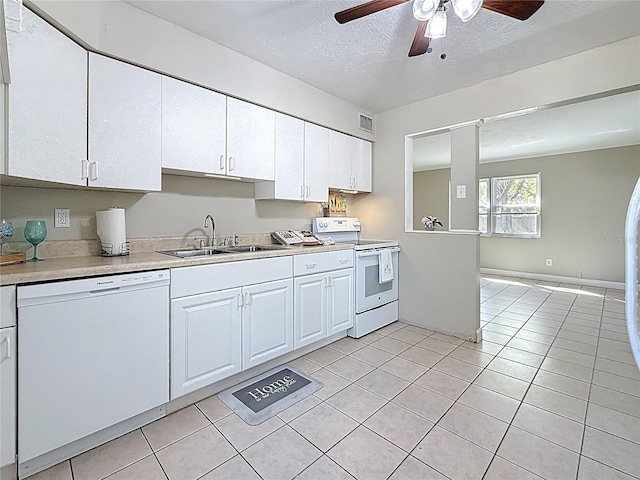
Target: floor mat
pixel 269 393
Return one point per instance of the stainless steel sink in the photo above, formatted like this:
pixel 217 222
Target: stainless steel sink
pixel 188 253
pixel 253 248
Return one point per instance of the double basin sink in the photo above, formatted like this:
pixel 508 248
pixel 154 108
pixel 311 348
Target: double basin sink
pixel 188 253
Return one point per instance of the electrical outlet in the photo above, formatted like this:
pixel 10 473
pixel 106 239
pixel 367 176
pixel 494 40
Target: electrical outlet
pixel 549 262
pixel 61 218
pixel 578 274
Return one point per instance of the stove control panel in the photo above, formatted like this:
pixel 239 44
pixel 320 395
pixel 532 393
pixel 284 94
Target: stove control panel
pixel 335 224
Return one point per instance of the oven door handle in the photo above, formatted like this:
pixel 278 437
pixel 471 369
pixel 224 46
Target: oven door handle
pixel 377 252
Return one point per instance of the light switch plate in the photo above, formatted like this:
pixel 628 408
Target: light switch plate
pixel 61 218
pixel 461 191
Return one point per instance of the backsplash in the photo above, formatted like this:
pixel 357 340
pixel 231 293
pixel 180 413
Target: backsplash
pixel 84 248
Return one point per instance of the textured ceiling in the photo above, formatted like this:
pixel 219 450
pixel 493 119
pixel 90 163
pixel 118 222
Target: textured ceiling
pixel 607 122
pixel 365 61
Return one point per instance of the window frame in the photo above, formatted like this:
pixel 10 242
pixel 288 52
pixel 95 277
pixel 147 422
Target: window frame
pixel 491 216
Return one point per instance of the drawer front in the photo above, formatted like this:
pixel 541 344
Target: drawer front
pixel 221 276
pixel 322 262
pixel 8 306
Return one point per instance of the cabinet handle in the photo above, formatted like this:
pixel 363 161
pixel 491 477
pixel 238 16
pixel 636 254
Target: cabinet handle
pixel 221 162
pixel 239 298
pixel 311 265
pixel 326 282
pixel 232 164
pixel 84 174
pixel 307 187
pixel 93 167
pixel 354 182
pixel 247 299
pixel 343 261
pixel 301 191
pixel 8 340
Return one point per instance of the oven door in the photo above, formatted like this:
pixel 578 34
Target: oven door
pixel 370 293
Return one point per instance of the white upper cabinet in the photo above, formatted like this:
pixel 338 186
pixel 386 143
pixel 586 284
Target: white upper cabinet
pixel 47 104
pixel 251 131
pixel 339 160
pixel 361 165
pixel 124 125
pixel 289 166
pixel 301 167
pixel 194 127
pixel 349 162
pixel 316 163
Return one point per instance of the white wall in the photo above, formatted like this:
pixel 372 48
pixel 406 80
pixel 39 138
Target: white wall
pixel 585 197
pixel 443 278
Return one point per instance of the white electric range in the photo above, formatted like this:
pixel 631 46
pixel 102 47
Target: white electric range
pixel 376 292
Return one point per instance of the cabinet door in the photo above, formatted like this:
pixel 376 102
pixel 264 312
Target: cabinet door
pixel 124 125
pixel 7 396
pixel 47 106
pixel 340 146
pixel 194 123
pixel 206 340
pixel 267 322
pixel 341 305
pixel 251 139
pixel 310 317
pixel 361 164
pixel 316 163
pixel 289 167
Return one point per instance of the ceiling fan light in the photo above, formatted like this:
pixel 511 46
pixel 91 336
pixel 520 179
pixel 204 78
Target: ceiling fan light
pixel 423 10
pixel 466 9
pixel 437 27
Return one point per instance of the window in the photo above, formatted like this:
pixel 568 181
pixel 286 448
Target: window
pixel 510 206
pixel 484 205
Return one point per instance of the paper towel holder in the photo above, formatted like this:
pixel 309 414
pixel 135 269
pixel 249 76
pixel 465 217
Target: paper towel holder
pixel 111 250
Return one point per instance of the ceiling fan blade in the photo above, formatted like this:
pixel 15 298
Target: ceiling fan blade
pixel 519 9
pixel 420 42
pixel 365 9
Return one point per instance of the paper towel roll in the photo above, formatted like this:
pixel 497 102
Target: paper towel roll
pixel 112 231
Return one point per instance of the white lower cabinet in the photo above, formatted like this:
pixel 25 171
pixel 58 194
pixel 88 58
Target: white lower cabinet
pixel 8 385
pixel 218 334
pixel 205 339
pixel 340 301
pixel 323 302
pixel 310 319
pixel 267 322
pixel 228 317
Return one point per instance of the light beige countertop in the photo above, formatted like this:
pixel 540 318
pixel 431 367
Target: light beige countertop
pixel 88 266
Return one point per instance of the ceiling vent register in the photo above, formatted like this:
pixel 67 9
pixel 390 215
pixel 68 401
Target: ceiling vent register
pixel 366 122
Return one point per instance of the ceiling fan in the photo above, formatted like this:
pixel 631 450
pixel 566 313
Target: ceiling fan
pixel 432 15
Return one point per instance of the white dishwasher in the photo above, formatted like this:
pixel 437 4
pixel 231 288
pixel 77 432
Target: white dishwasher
pixel 91 353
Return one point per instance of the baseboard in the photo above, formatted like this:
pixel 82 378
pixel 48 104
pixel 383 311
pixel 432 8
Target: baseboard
pixel 554 278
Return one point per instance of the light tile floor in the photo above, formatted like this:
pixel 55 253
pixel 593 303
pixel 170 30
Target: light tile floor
pixel 552 392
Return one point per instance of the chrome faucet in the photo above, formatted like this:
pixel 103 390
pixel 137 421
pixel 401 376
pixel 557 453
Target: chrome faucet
pixel 213 228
